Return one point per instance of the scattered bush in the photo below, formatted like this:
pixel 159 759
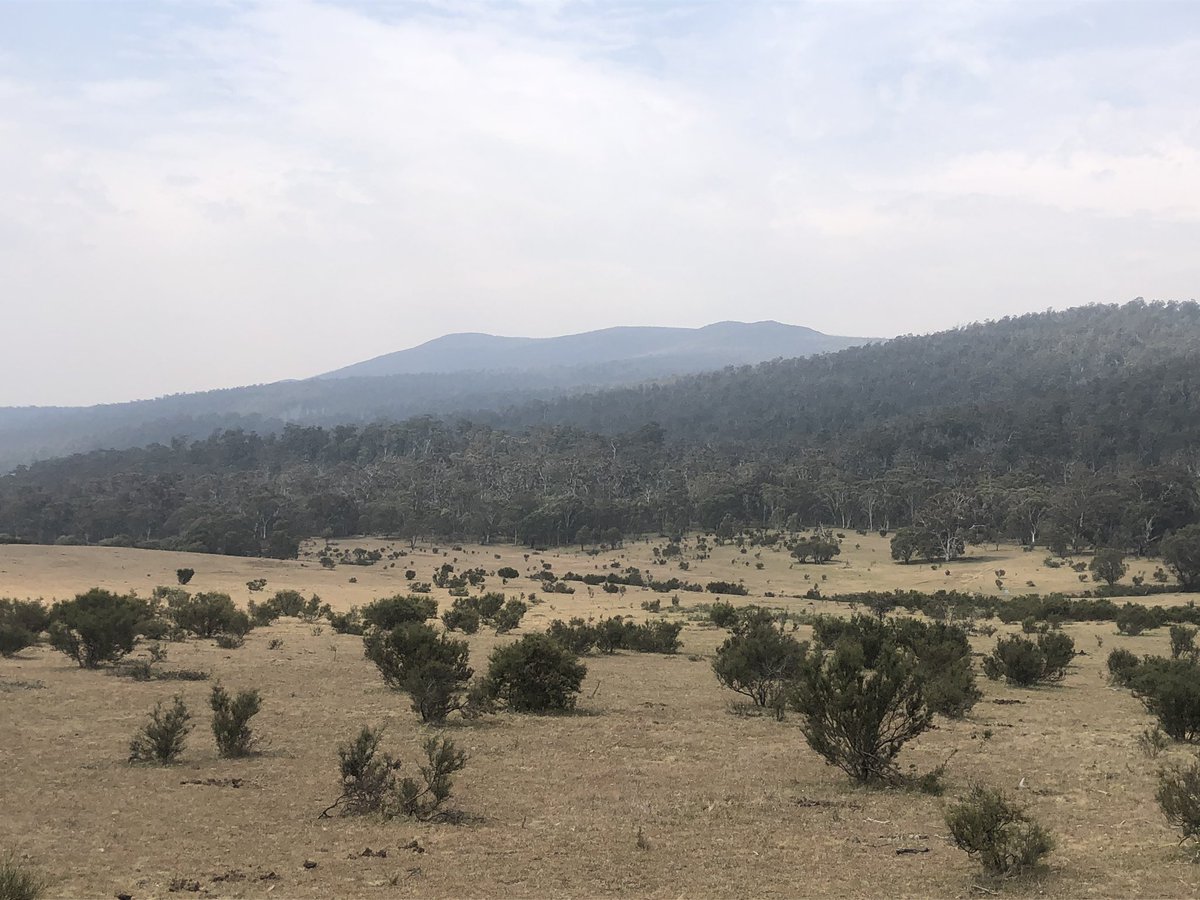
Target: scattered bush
pixel 722 614
pixel 1152 741
pixel 1181 553
pixel 370 783
pixel 209 614
pixel 1108 565
pixel 388 612
pixel 430 667
pixel 1121 666
pixel 857 718
pixel 231 720
pixel 97 627
pixel 1024 663
pixel 348 622
pixel 534 674
pixel 1183 641
pixel 1133 619
pixel 30 615
pixel 1178 795
pixel 14 638
pixel 183 576
pixel 507 572
pixel 161 739
pixel 996 832
pixel 726 587
pixel 761 664
pixel 1170 690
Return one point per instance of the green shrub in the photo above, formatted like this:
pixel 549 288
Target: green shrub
pixel 97 627
pixel 722 614
pixel 1170 690
pixel 1133 619
pixel 31 615
pixel 209 614
pixel 510 615
pixel 1025 663
pixel 1178 795
pixel 1121 666
pixel 507 572
pixel 575 635
pixel 161 739
pixel 14 638
pixel 430 667
pixel 760 664
pixel 1183 641
pixel 996 832
pixel 534 674
pixel 183 576
pixel 659 636
pixel 388 612
pixel 17 882
pixel 231 720
pixel 370 783
pixel 348 622
pixel 461 617
pixel 857 718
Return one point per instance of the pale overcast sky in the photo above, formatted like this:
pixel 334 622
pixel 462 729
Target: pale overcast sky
pixel 198 195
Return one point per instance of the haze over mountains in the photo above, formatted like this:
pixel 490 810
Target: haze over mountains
pixel 458 373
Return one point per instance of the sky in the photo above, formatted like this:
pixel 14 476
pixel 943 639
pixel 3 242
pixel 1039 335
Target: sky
pixel 200 195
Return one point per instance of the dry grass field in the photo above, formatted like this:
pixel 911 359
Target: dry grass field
pixel 727 803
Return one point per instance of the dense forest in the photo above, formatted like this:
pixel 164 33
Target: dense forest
pixel 1067 430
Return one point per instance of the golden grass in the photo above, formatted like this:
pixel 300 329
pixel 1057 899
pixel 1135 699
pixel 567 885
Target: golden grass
pixel 729 804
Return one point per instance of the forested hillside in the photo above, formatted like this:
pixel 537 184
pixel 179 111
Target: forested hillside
pixel 1073 429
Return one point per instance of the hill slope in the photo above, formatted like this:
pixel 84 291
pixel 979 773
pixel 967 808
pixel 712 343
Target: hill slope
pixel 659 351
pixel 451 375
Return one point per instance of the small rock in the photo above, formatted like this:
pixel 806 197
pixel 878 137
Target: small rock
pixel 310 864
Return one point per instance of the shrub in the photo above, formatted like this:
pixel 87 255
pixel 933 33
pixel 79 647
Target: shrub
pixel 1024 663
pixel 1133 619
pixel 1178 795
pixel 161 739
pixel 726 587
pixel 30 615
pixel 1152 741
pixel 348 622
pixel 461 617
pixel 430 667
pixel 209 614
pixel 262 614
pixel 507 572
pixel 857 718
pixel 1170 690
pixel 388 612
pixel 1183 641
pixel 1121 666
pixel 659 636
pixel 370 784
pixel 760 664
pixel 230 641
pixel 534 674
pixel 576 635
pixel 96 627
pixel 231 720
pixel 287 603
pixel 996 832
pixel 183 576
pixel 18 883
pixel 722 614
pixel 14 638
pixel 509 616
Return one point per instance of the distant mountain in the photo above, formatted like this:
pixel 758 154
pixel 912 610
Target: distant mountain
pixel 662 351
pixel 455 374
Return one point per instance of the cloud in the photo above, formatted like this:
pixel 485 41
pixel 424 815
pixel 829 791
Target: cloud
pixel 231 194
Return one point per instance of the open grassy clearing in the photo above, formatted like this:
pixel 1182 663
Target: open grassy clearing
pixel 727 802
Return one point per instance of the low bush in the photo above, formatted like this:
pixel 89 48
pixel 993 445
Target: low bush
pixel 1133 619
pixel 1121 666
pixel 534 674
pixel 1183 641
pixel 17 882
pixel 1170 690
pixel 1178 795
pixel 31 615
pixel 14 638
pixel 210 614
pixel 370 784
pixel 430 667
pixel 97 627
pixel 996 832
pixel 161 740
pixel 760 664
pixel 388 612
pixel 858 718
pixel 722 614
pixel 1025 663
pixel 231 720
